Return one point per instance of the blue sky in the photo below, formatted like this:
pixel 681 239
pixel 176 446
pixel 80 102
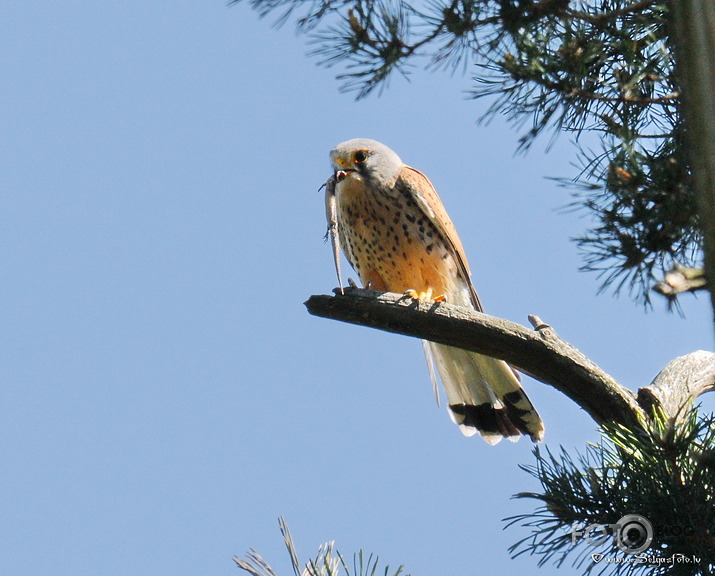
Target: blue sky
pixel 164 396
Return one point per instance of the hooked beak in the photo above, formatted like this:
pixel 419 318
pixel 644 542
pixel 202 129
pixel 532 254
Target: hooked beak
pixel 340 175
pixel 342 168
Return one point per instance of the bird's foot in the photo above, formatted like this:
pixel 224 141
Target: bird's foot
pixel 426 295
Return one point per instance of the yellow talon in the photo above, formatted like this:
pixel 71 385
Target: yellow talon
pixel 426 295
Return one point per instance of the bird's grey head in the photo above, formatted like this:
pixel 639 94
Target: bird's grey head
pixel 370 160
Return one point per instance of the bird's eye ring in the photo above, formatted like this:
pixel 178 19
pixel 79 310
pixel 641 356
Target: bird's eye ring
pixel 360 156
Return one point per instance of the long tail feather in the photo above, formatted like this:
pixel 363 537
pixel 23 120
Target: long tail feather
pixel 485 396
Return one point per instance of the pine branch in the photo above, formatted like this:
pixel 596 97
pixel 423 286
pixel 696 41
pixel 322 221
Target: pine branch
pixel 659 477
pixel 540 353
pixel 328 562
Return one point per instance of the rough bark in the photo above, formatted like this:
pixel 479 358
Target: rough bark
pixel 682 380
pixel 694 33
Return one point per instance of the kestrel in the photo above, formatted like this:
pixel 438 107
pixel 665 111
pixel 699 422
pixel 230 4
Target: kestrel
pixel 397 235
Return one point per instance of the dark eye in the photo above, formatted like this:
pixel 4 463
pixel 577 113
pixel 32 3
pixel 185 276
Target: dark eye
pixel 360 156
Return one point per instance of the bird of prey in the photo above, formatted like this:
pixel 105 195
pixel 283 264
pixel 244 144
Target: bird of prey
pixel 396 234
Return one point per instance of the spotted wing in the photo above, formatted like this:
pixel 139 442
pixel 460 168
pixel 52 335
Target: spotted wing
pixel 421 190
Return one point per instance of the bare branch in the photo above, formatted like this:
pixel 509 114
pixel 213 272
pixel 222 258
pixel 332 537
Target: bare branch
pixel 679 383
pixel 681 279
pixel 539 353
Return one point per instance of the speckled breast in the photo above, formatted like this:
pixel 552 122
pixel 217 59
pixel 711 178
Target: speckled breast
pixel 390 242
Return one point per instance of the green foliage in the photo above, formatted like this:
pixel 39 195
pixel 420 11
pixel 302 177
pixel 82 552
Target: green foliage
pixel 601 66
pixel 328 561
pixel 665 474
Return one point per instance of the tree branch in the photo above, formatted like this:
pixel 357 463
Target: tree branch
pixel 694 25
pixel 681 381
pixel 681 279
pixel 600 19
pixel 540 353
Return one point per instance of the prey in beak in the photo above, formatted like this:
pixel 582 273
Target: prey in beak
pixel 331 213
pixel 340 175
